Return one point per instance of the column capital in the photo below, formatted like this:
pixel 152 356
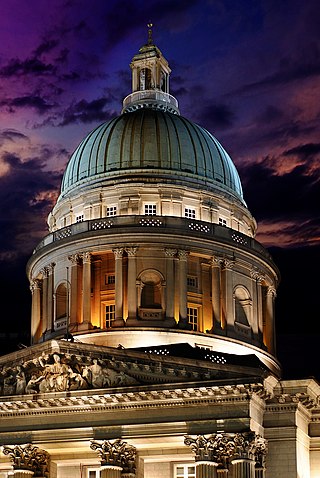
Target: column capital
pixel 28 457
pixel 216 261
pixel 116 453
pixel 131 251
pixel 170 252
pixel 271 291
pixel 257 275
pixel 183 254
pixel 74 259
pixel 118 252
pixel 45 272
pixel 86 257
pixel 35 284
pixel 228 263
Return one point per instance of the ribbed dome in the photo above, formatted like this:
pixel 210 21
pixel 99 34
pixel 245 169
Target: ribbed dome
pixel 150 142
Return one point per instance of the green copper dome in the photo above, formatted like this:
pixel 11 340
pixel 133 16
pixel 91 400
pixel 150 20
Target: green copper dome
pixel 154 144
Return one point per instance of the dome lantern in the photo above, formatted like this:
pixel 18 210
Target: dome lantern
pixel 150 80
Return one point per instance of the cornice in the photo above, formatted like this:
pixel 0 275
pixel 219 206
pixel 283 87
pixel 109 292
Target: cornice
pixel 45 404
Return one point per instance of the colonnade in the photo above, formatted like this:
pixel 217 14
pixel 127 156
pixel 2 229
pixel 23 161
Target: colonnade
pixel 217 298
pixel 216 455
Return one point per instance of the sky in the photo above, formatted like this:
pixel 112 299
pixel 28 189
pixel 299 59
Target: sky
pixel 246 70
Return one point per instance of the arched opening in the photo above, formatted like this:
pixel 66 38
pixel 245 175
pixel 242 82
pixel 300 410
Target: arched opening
pixel 242 311
pixel 61 297
pixel 151 295
pixel 145 79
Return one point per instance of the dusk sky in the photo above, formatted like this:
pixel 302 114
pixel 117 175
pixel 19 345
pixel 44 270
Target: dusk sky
pixel 248 71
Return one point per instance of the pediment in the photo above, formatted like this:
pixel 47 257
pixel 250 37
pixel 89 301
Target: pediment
pixel 60 366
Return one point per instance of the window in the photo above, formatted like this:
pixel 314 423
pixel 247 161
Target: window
pixel 93 473
pixel 80 218
pixel 190 213
pixel 222 222
pixel 150 209
pixel 111 211
pixel 192 281
pixel 184 471
pixel 110 279
pixel 109 315
pixel 193 317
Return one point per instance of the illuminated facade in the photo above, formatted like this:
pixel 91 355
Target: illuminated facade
pixel 153 316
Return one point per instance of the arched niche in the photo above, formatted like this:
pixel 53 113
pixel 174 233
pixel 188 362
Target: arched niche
pixel 61 308
pixel 151 297
pixel 242 311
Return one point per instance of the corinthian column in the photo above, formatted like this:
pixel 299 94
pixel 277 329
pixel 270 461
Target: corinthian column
pixel 118 458
pixel 227 295
pixel 50 292
pixel 216 292
pixel 183 313
pixel 74 291
pixel 119 321
pixel 86 291
pixel 247 449
pixel 132 288
pixel 35 287
pixel 269 335
pixel 45 298
pixel 170 290
pixel 27 460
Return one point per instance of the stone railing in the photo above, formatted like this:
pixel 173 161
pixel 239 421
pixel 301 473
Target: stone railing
pixel 157 224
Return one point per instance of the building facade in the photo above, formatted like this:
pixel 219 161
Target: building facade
pixel 153 339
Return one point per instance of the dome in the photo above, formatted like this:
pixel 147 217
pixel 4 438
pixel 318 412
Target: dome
pixel 151 142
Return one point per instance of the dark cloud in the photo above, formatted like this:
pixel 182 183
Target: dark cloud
pixel 46 46
pixel 86 112
pixel 292 196
pixel 305 65
pixel 30 66
pixel 11 135
pixel 27 193
pixel 216 116
pixel 304 151
pixel 39 104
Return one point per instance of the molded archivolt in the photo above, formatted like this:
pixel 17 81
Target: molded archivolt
pixel 146 140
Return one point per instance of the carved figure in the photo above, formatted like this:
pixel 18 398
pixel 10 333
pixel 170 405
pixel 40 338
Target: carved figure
pixel 96 375
pixel 20 381
pixel 56 376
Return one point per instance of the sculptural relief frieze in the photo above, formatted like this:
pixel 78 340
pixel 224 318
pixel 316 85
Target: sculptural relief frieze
pixel 58 372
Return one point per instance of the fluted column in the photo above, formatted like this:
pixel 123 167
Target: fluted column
pixel 86 291
pixel 247 451
pixel 183 313
pixel 118 322
pixel 110 471
pixel 216 292
pixel 227 295
pixel 170 290
pixel 269 320
pixel 243 468
pixel 258 279
pixel 96 321
pixel 74 291
pixel 27 460
pixel 118 458
pixel 35 287
pixel 244 452
pixel 50 292
pixel 132 288
pixel 45 298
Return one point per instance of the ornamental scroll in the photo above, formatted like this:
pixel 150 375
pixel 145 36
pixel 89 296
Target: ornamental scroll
pixel 28 457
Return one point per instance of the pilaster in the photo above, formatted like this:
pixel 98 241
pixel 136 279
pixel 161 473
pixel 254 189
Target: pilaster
pixel 35 287
pixel 183 316
pixel 170 290
pixel 132 288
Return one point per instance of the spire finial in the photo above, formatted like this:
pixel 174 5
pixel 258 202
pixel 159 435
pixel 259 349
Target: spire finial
pixel 150 40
